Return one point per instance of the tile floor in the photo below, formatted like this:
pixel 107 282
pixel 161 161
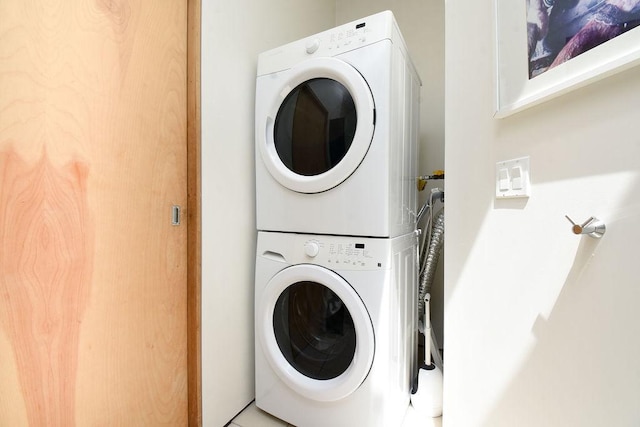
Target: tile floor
pixel 254 417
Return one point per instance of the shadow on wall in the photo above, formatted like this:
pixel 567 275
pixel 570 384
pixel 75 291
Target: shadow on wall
pixel 583 369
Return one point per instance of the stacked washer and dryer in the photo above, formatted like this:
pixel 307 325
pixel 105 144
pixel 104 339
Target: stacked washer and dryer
pixel 336 198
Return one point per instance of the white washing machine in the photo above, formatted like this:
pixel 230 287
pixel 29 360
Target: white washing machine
pixel 335 328
pixel 336 133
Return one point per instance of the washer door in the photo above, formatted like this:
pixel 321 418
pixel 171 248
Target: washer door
pixel 315 332
pixel 319 127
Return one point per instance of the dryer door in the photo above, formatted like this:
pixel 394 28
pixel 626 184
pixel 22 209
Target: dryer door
pixel 319 127
pixel 315 332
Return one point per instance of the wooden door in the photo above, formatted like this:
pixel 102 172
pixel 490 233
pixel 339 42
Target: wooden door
pixel 93 321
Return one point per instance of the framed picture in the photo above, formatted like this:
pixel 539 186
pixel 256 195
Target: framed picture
pixel 546 48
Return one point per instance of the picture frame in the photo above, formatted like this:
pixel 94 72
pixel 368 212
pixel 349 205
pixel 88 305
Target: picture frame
pixel 515 91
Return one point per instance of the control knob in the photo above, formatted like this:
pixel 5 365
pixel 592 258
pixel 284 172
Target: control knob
pixel 311 249
pixel 312 46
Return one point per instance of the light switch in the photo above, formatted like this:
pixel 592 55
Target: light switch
pixel 513 178
pixel 516 178
pixel 503 179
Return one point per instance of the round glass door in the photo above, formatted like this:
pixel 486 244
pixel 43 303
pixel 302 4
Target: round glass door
pixel 320 126
pixel 315 126
pixel 316 332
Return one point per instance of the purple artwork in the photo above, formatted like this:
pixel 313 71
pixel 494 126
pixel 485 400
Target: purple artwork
pixel 558 30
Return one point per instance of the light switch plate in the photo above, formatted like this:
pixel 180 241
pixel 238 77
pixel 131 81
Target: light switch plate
pixel 518 183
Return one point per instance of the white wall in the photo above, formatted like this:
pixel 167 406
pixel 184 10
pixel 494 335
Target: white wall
pixel 233 33
pixel 422 25
pixel 541 326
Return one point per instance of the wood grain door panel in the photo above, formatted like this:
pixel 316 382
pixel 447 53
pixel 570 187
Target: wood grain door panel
pixel 92 158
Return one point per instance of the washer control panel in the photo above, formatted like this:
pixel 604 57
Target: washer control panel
pixel 345 253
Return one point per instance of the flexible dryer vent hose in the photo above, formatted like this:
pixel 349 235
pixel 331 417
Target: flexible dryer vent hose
pixel 433 253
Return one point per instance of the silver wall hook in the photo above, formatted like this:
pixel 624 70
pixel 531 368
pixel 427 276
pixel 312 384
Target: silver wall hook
pixel 592 227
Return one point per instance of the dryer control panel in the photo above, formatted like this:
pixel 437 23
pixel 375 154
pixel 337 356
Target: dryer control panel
pixel 332 42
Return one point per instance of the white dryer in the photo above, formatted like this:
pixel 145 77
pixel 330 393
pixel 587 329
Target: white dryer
pixel 336 133
pixel 335 328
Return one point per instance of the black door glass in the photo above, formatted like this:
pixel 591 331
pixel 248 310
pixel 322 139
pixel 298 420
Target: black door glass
pixel 314 330
pixel 314 127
